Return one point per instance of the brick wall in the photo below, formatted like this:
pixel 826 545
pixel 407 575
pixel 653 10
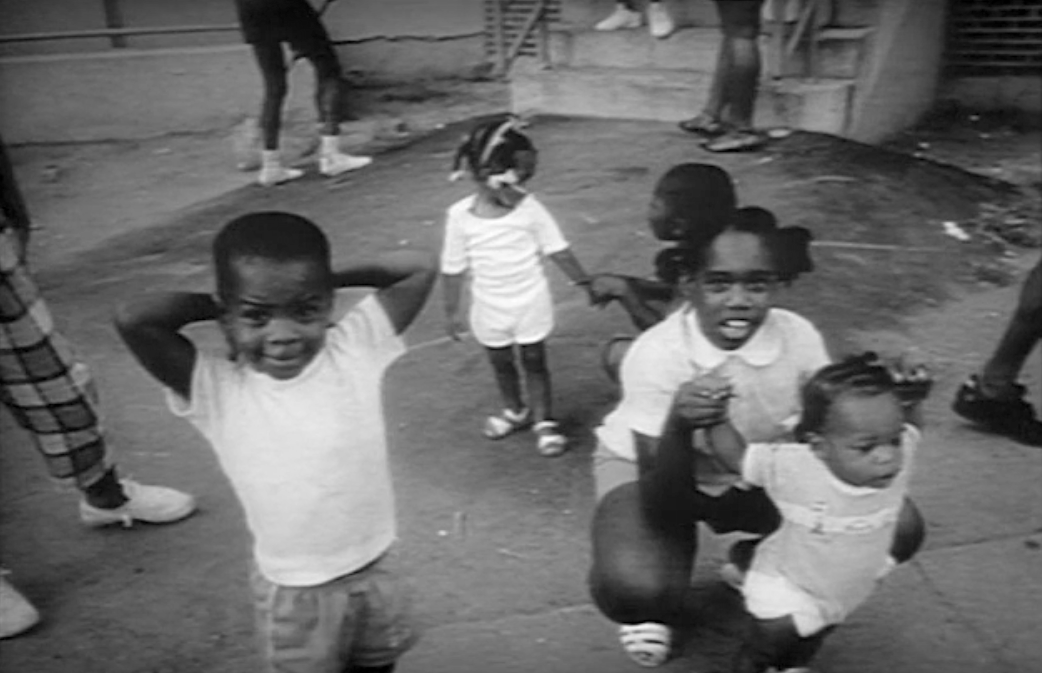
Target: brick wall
pixel 994 37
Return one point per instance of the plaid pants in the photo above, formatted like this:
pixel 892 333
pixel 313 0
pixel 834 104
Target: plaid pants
pixel 48 391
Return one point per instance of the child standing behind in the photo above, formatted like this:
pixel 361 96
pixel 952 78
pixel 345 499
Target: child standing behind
pixel 296 420
pixel 266 25
pixel 499 236
pixel 841 493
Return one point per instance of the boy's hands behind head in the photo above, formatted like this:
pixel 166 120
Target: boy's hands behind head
pixel 702 401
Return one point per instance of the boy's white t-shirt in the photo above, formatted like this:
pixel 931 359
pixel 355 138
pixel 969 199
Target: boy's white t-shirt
pixel 307 456
pixel 834 540
pixel 503 254
pixel 766 373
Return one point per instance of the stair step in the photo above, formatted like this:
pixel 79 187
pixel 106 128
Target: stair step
pixel 851 33
pixel 671 95
pixel 687 49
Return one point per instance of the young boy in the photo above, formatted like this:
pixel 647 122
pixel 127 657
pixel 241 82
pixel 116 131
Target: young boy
pixel 295 417
pixel 266 24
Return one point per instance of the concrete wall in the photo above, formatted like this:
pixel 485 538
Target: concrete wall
pixel 133 93
pixel 386 39
pixel 995 93
pixel 901 72
pixel 176 83
pixel 422 21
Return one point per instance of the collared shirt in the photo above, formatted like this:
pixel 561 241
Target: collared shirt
pixel 766 374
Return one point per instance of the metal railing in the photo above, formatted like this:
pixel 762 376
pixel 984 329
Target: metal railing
pixel 115 29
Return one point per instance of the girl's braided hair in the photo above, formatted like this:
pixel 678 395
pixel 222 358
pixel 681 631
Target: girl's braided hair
pixel 789 247
pixel 863 375
pixel 490 147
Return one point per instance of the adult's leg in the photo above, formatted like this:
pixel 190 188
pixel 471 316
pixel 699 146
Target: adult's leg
pixel 994 399
pixel 329 88
pixel 329 96
pixel 50 394
pixel 740 23
pixel 271 61
pixel 1022 333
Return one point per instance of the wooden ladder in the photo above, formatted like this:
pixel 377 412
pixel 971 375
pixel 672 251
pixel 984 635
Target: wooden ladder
pixel 794 22
pixel 516 28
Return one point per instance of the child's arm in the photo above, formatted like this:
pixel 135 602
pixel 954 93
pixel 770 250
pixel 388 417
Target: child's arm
pixel 727 444
pixel 645 301
pixel 151 329
pixel 571 267
pixel 666 467
pixel 403 279
pixel 452 290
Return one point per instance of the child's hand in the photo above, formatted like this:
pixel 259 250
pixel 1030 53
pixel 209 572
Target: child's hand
pixel 702 402
pixel 603 288
pixel 455 327
pixel 912 380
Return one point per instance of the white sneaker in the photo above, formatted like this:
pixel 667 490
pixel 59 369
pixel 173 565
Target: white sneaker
pixel 276 175
pixel 335 164
pixel 151 504
pixel 660 23
pixel 16 613
pixel 623 17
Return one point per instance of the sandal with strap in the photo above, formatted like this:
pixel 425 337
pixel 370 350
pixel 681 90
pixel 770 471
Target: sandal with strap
pixel 549 441
pixel 703 125
pixel 647 644
pixel 506 423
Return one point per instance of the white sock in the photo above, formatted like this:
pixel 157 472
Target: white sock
pixel 330 145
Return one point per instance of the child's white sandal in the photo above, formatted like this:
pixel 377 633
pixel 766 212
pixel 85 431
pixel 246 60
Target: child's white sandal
pixel 506 423
pixel 549 440
pixel 647 644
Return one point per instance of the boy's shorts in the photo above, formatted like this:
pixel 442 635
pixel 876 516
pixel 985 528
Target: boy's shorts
pixel 359 620
pixel 293 21
pixel 496 327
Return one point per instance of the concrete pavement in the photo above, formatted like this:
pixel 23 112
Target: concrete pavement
pixel 506 591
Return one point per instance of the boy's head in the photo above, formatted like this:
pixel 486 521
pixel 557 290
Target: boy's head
pixel 499 157
pixel 853 421
pixel 691 203
pixel 731 278
pixel 275 286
